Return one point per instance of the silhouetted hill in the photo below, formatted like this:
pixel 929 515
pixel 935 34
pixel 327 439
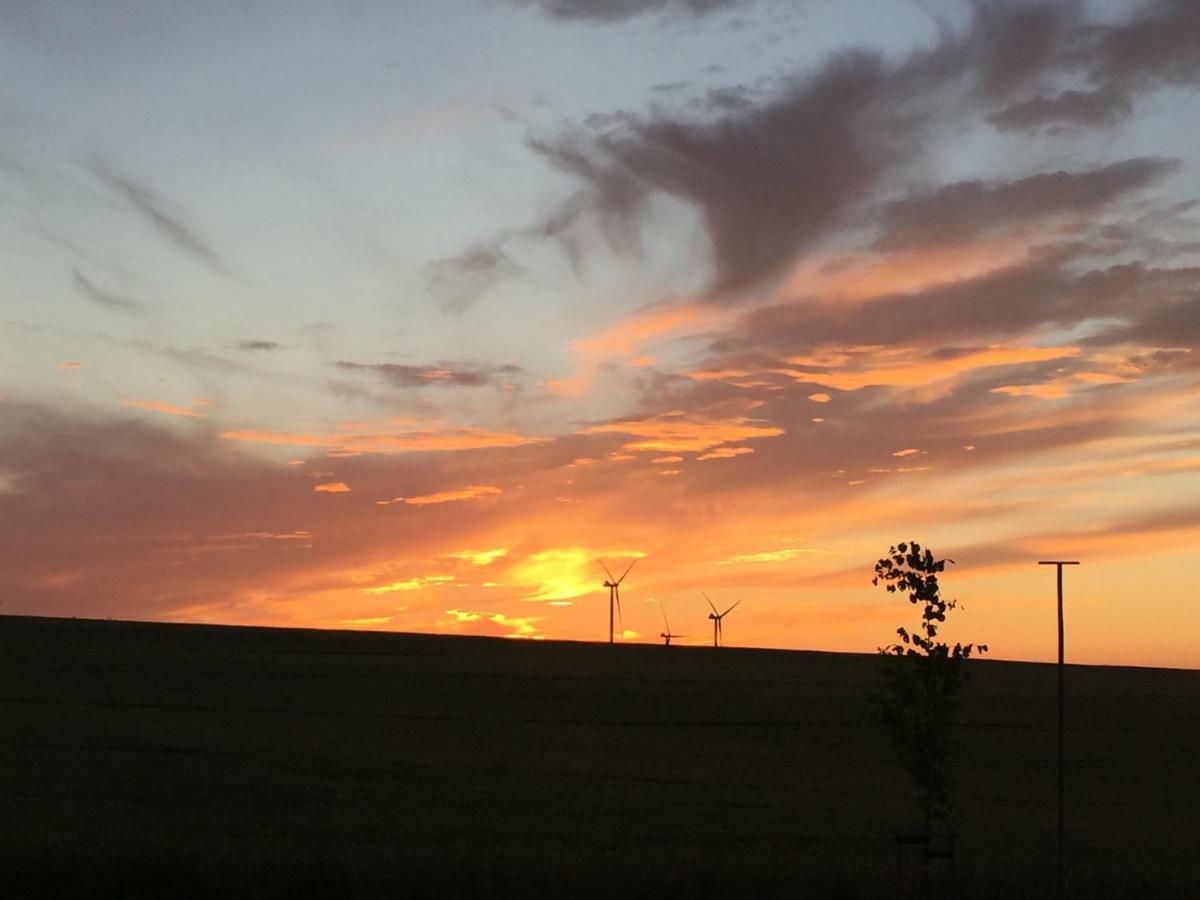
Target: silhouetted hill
pixel 179 760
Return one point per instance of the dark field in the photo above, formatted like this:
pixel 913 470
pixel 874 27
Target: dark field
pixel 165 761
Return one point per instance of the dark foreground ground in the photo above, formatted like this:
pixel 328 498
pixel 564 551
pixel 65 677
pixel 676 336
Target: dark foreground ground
pixel 171 761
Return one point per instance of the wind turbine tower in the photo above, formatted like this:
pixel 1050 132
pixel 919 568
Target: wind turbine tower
pixel 667 635
pixel 614 595
pixel 717 619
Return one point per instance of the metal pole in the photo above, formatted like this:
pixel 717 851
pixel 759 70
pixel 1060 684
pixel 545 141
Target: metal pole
pixel 1059 563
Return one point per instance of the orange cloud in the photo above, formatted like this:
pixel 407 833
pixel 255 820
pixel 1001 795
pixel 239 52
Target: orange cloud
pixel 625 338
pixel 766 556
pixel 819 398
pixel 404 441
pixel 269 536
pixel 676 432
pixel 470 492
pixel 479 557
pixel 519 626
pixel 1100 378
pixel 726 453
pixel 905 368
pixel 70 365
pixel 159 406
pixel 862 276
pixel 564 573
pixel 1061 387
pixel 411 584
pixel 365 621
pixel 558 574
pixel 332 487
pixel 1049 391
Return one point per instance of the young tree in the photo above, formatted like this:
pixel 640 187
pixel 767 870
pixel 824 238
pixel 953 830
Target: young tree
pixel 916 714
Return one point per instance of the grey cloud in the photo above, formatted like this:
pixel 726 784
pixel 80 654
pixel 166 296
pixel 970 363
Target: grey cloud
pixel 458 282
pixel 115 515
pixel 772 179
pixel 196 358
pixel 1158 45
pixel 1039 292
pixel 960 211
pixel 443 374
pixel 622 10
pixel 775 173
pixel 1173 359
pixel 1173 322
pixel 1013 299
pixel 1092 109
pixel 251 346
pixel 154 210
pixel 768 181
pixel 108 299
pixel 1011 45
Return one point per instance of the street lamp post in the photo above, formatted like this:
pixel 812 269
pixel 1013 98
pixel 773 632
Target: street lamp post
pixel 1059 563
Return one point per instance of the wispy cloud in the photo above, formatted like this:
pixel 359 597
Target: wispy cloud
pixel 157 212
pixel 256 346
pixel 458 282
pixel 611 11
pixel 440 374
pixel 108 299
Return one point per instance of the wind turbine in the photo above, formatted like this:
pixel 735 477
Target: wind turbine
pixel 667 635
pixel 614 595
pixel 718 634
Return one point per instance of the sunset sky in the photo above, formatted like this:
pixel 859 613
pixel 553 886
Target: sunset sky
pixel 398 315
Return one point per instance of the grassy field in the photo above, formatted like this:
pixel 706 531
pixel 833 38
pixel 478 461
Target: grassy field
pixel 171 760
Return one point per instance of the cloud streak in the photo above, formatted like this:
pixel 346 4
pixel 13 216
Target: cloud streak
pixel 438 375
pixel 155 211
pixel 612 11
pixel 110 300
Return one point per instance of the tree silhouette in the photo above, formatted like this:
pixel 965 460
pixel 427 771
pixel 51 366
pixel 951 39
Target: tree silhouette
pixel 917 711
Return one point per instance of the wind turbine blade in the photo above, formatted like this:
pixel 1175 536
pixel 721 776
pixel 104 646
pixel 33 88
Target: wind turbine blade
pixel 626 572
pixel 710 603
pixel 620 621
pixel 728 611
pixel 605 568
pixel 662 609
